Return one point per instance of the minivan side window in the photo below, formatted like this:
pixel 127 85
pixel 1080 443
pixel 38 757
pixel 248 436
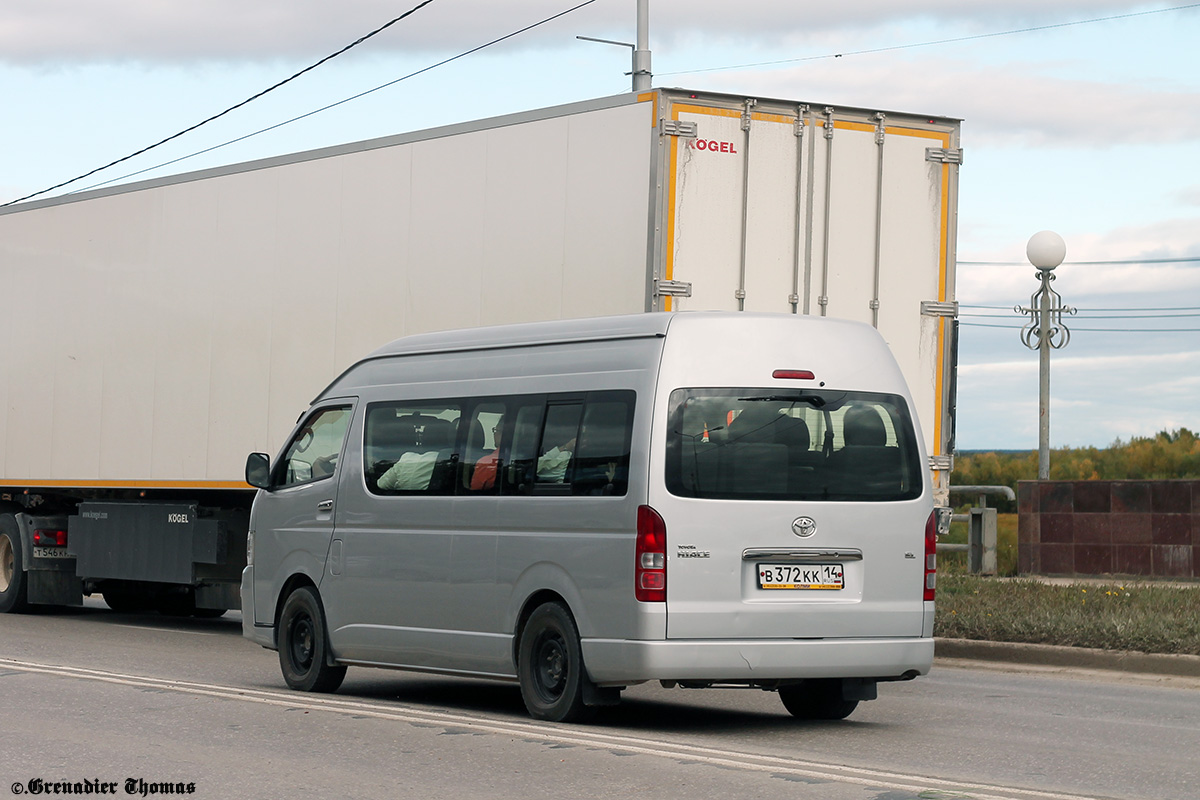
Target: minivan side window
pixel 559 439
pixel 313 452
pixel 483 450
pixel 511 445
pixel 526 433
pixel 602 457
pixel 409 448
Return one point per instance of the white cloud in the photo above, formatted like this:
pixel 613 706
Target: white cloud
pixel 40 31
pixel 1090 402
pixel 1105 364
pixel 1189 196
pixel 1081 285
pixel 1054 111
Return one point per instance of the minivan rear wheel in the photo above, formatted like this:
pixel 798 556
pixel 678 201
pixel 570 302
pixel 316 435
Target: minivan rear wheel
pixel 817 699
pixel 550 666
pixel 304 646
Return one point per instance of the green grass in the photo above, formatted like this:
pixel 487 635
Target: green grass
pixel 1114 615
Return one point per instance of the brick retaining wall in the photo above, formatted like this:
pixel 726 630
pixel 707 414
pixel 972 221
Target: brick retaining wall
pixel 1148 528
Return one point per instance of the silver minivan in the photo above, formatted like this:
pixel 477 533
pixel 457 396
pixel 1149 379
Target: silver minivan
pixel 703 499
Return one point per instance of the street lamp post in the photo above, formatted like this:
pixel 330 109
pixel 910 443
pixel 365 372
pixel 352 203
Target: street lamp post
pixel 1045 329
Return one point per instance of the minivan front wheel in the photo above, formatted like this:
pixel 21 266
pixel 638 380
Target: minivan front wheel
pixel 550 666
pixel 304 645
pixel 817 699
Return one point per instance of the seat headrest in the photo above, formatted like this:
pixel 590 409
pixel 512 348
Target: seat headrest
pixel 863 427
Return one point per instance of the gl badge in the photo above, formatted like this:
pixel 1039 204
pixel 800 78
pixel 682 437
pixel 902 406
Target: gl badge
pixel 804 527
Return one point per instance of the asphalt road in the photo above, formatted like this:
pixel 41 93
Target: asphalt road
pixel 92 699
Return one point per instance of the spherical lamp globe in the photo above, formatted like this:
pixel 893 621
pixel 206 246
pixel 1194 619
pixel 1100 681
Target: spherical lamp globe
pixel 1046 250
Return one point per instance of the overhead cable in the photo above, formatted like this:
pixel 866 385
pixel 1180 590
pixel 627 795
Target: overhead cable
pixel 250 99
pixel 1090 330
pixel 935 42
pixel 1086 314
pixel 1184 260
pixel 1128 308
pixel 342 102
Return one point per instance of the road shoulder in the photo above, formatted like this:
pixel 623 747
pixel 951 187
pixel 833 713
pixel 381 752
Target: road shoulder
pixel 1157 668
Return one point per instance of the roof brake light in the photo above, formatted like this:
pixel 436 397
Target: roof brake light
pixel 794 374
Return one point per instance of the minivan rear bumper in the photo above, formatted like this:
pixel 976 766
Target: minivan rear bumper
pixel 617 661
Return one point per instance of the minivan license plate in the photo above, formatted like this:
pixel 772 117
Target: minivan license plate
pixel 800 576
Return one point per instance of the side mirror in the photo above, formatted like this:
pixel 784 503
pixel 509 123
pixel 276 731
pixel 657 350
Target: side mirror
pixel 258 470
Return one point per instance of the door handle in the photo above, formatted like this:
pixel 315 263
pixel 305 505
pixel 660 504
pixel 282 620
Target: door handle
pixel 325 505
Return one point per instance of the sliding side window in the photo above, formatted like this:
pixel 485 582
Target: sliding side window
pixel 410 447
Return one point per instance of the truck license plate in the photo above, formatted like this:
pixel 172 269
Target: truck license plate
pixel 51 552
pixel 800 576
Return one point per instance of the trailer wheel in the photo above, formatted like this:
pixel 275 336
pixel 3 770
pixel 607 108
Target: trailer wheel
pixel 209 613
pixel 126 598
pixel 181 602
pixel 304 644
pixel 817 699
pixel 175 602
pixel 550 666
pixel 13 589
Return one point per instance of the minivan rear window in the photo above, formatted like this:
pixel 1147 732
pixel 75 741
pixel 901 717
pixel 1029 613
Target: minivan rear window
pixel 768 444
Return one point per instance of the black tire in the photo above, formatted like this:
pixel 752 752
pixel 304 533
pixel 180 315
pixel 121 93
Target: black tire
pixel 550 666
pixel 13 588
pixel 126 598
pixel 304 645
pixel 817 699
pixel 172 602
pixel 209 613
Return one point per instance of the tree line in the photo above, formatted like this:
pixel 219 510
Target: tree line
pixel 1167 455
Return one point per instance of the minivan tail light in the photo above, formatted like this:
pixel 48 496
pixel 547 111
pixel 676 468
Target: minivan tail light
pixel 931 531
pixel 650 566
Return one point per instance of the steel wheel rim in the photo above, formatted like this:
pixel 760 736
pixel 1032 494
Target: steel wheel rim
pixel 301 642
pixel 7 563
pixel 552 666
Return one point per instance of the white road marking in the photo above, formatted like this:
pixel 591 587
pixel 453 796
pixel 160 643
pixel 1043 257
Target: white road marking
pixel 164 630
pixel 562 734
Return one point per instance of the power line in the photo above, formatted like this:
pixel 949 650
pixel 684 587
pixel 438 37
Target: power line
pixel 935 42
pixel 250 99
pixel 339 102
pixel 1186 260
pixel 1090 330
pixel 1130 308
pixel 1085 314
pixel 1177 308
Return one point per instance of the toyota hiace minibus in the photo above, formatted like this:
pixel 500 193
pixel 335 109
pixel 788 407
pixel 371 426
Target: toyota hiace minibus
pixel 703 499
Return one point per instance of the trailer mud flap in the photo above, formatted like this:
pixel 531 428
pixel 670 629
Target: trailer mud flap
pixel 49 571
pixel 53 587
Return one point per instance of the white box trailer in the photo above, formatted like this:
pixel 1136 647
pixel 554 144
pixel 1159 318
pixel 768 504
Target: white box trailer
pixel 157 332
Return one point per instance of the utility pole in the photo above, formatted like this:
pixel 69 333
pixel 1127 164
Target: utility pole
pixel 641 73
pixel 641 54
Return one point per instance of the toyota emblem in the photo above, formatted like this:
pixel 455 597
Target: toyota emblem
pixel 804 527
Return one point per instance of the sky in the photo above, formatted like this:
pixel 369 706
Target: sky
pixel 1079 116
